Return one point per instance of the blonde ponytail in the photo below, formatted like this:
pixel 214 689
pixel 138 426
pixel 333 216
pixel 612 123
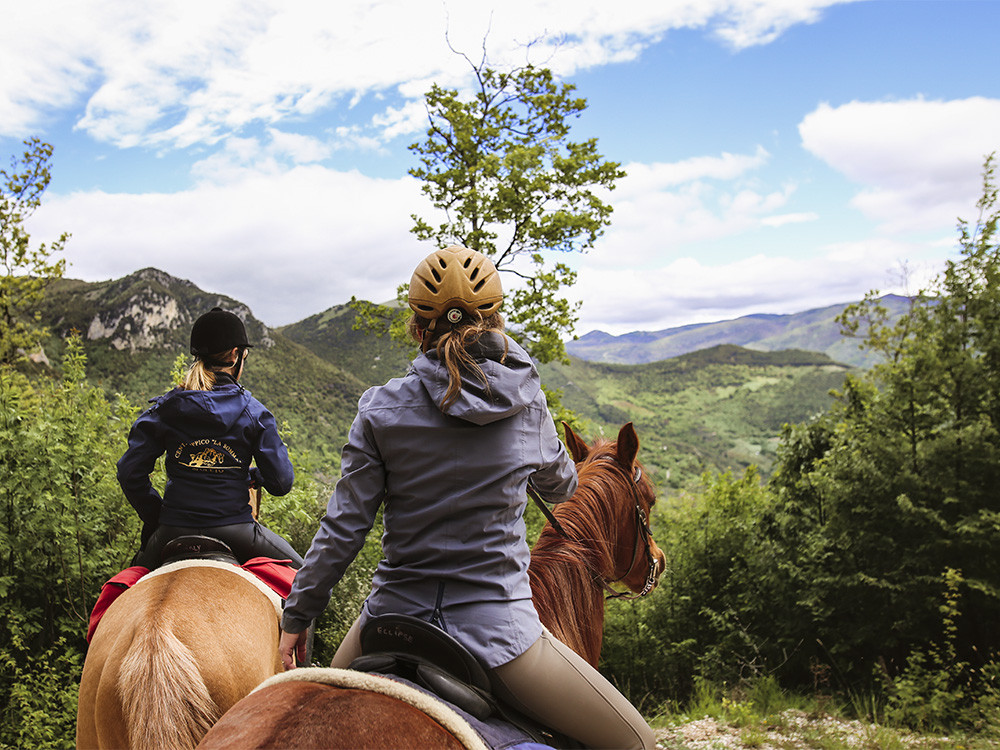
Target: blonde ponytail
pixel 198 377
pixel 201 376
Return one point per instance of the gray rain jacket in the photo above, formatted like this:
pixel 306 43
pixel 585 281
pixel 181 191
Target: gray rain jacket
pixel 454 489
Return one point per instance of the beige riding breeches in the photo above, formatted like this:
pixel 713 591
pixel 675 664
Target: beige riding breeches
pixel 555 686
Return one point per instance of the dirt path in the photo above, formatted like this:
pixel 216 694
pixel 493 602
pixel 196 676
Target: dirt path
pixel 795 730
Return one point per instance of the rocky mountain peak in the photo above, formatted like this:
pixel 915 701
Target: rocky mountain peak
pixel 150 309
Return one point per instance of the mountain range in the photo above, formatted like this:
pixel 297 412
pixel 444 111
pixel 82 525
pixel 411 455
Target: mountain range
pixel 814 330
pixel 717 400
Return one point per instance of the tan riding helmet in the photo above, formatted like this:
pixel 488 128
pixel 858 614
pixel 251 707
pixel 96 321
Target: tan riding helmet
pixel 455 279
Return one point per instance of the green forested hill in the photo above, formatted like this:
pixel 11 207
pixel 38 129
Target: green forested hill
pixel 713 409
pixel 331 336
pixel 814 330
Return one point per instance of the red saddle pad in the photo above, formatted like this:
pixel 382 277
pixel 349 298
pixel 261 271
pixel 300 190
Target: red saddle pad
pixel 274 573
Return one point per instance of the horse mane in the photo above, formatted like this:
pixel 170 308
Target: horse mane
pixel 569 601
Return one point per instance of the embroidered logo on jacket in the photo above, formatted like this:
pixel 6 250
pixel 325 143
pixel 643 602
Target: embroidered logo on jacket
pixel 207 455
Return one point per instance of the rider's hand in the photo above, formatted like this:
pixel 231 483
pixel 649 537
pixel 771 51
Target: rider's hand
pixel 292 648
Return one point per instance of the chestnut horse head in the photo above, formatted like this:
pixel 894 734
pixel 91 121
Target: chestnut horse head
pixel 173 653
pixel 601 537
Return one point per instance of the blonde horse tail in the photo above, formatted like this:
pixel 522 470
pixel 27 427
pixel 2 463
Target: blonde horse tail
pixel 165 701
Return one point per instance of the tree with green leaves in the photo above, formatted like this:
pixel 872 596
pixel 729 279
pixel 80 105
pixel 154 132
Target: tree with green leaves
pixel 507 180
pixel 65 528
pixel 27 270
pixel 897 483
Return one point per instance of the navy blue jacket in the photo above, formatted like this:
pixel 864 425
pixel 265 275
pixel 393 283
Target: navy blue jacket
pixel 209 438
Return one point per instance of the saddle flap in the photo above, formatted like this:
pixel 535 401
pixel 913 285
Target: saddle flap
pixel 404 634
pixel 197 547
pixel 424 674
pixel 458 693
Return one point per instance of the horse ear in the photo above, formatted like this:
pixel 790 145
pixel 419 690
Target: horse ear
pixel 627 446
pixel 577 448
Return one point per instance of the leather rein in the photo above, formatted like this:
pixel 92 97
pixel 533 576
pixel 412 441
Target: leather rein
pixel 642 530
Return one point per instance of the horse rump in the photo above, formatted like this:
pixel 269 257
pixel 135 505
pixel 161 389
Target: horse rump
pixel 315 715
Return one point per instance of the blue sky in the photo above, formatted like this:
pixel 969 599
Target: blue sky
pixel 781 154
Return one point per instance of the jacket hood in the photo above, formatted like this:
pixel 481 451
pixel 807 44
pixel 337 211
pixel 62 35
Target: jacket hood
pixel 205 413
pixel 512 381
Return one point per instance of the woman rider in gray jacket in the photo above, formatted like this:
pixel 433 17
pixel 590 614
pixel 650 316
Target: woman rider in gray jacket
pixel 448 451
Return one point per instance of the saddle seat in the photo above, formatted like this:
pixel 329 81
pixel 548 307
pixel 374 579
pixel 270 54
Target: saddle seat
pixel 197 547
pixel 427 656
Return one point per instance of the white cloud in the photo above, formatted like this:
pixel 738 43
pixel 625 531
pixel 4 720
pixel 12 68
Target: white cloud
pixel 689 289
pixel 301 149
pixel 47 62
pixel 289 244
pixel 255 221
pixel 660 210
pixel 780 220
pixel 642 177
pixel 278 152
pixel 181 72
pixel 918 161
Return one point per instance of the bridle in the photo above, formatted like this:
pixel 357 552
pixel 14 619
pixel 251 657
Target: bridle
pixel 642 530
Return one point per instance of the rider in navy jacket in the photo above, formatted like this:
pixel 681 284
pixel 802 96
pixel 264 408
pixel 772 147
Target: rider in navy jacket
pixel 211 429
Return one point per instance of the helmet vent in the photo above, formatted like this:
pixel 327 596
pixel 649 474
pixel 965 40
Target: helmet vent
pixel 474 274
pixel 433 289
pixel 437 276
pixel 479 286
pixel 467 262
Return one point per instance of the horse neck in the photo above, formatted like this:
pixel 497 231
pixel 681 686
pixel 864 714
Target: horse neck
pixel 564 571
pixel 570 603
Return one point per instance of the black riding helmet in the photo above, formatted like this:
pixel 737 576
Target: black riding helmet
pixel 218 331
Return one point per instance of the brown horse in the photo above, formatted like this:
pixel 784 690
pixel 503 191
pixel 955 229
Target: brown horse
pixel 174 653
pixel 600 536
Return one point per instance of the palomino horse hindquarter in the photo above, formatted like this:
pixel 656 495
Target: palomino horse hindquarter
pixel 173 653
pixel 604 540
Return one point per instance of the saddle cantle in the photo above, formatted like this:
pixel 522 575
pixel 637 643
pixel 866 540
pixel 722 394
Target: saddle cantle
pixel 427 656
pixel 196 547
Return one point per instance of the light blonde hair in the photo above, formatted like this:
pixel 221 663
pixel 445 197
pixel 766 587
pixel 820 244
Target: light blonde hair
pixel 201 376
pixel 452 344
